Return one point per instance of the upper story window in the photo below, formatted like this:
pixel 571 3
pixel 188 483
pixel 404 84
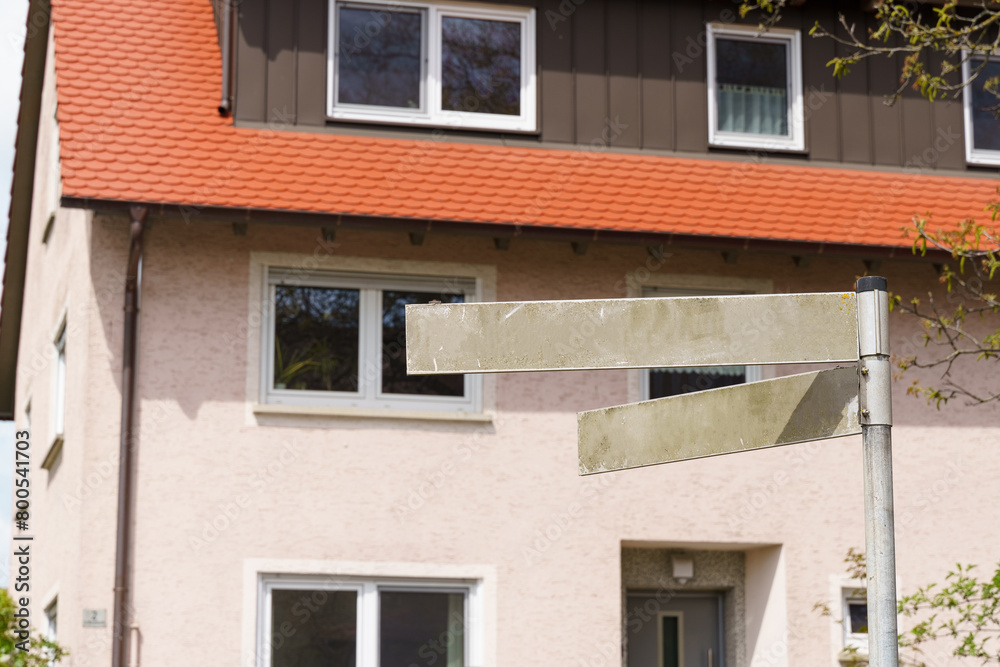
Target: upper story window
pixel 460 66
pixel 755 88
pixel 339 340
pixel 982 127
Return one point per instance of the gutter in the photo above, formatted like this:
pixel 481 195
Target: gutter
pixel 122 617
pixel 228 24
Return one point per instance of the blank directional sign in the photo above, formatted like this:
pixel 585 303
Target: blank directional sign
pixel 631 333
pixel 783 411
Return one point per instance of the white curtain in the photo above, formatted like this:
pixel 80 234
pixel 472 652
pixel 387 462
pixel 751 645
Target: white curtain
pixel 731 371
pixel 752 109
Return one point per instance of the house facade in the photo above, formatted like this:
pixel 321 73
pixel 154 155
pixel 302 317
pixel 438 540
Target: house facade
pixel 219 213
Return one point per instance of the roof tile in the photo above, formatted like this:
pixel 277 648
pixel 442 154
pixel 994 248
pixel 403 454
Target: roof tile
pixel 135 97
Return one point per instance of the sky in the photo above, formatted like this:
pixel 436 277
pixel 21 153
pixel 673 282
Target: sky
pixel 12 20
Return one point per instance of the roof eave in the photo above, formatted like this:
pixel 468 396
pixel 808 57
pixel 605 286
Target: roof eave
pixel 504 230
pixel 22 188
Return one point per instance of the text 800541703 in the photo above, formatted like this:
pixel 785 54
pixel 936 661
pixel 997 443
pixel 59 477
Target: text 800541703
pixel 21 565
pixel 21 460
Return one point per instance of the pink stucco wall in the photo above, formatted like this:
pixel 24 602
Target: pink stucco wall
pixel 441 492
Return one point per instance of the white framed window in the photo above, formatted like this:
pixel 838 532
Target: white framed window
pixel 453 65
pixel 52 623
pixel 59 384
pixel 755 88
pixel 355 622
pixel 338 339
pixel 663 382
pixel 982 127
pixel 855 615
pixel 51 620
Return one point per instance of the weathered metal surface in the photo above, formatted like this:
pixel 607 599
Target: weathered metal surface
pixel 783 411
pixel 875 397
pixel 880 546
pixel 631 333
pixel 876 418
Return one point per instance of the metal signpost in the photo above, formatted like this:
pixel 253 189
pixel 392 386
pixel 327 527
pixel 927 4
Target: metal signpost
pixel 844 327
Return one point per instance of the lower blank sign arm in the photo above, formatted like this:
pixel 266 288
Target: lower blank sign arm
pixel 783 411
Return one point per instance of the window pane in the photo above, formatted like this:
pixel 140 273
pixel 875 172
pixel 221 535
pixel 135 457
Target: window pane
pixel 481 66
pixel 673 381
pixel 671 642
pixel 752 86
pixel 422 629
pixel 314 628
pixel 59 409
pixel 985 124
pixel 394 377
pixel 379 56
pixel 316 338
pixel 858 612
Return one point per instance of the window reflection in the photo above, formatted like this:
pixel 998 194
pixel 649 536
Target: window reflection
pixel 394 377
pixel 985 124
pixel 316 338
pixel 481 66
pixel 379 57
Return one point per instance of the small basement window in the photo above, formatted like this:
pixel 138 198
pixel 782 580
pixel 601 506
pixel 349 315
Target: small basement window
pixel 755 88
pixel 855 623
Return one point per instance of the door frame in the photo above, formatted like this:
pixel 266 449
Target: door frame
pixel 679 615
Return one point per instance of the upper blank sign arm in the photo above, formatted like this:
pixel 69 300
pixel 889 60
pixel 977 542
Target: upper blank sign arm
pixel 631 333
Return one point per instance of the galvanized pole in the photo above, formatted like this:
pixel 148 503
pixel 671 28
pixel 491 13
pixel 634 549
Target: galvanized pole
pixel 876 424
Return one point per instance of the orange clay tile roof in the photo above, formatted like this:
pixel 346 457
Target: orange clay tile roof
pixel 139 81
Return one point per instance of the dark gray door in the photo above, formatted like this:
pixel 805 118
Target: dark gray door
pixel 674 629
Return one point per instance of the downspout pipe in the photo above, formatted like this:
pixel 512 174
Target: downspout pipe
pixel 227 24
pixel 122 617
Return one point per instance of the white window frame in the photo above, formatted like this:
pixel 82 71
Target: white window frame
pixel 59 384
pixel 753 373
pixel 975 155
pixel 795 141
pixel 368 590
pixel 430 111
pixel 369 394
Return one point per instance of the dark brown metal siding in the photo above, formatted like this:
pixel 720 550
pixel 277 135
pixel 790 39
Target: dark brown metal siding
pixel 556 80
pixel 627 74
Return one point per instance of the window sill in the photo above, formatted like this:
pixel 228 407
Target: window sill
pixel 983 159
pixel 520 126
pixel 853 658
pixel 372 413
pixel 771 147
pixel 53 454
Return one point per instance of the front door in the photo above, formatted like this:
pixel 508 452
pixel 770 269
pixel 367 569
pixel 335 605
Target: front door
pixel 674 629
